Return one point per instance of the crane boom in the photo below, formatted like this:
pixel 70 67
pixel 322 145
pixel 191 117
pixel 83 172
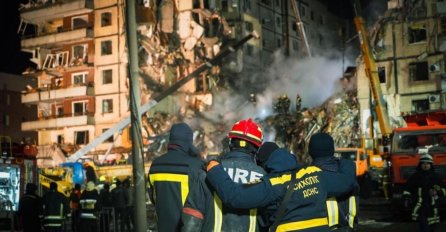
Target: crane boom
pixel 146 107
pixel 300 26
pixel 372 74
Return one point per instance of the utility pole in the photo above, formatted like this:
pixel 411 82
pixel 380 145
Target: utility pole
pixel 139 181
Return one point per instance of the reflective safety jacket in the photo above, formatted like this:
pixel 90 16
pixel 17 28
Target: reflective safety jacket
pixel 170 183
pixel 343 210
pixel 88 204
pixel 420 187
pixel 306 210
pixel 204 211
pixel 55 209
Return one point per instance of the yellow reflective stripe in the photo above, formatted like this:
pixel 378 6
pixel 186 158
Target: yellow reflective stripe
pixel 301 225
pixel 218 215
pixel 248 134
pixel 417 205
pixel 252 220
pixel 333 211
pixel 351 211
pixel 181 178
pixel 302 172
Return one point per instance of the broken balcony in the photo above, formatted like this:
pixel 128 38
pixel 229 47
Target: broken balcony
pixel 49 10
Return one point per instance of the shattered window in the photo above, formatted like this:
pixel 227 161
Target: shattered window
pixel 418 71
pixel 79 108
pixel 79 22
pixel 79 51
pixel 417 33
pixel 382 74
pixel 80 137
pixel 107 106
pixel 107 76
pixel 106 47
pixel 106 19
pixel 79 78
pixel 420 105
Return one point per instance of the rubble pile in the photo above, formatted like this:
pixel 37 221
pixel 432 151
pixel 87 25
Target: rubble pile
pixel 176 37
pixel 338 116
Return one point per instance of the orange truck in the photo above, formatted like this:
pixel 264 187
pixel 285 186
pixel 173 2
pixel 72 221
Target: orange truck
pixel 424 133
pixel 369 168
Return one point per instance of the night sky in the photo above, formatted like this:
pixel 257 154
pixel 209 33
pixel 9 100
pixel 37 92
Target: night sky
pixel 15 61
pixel 12 59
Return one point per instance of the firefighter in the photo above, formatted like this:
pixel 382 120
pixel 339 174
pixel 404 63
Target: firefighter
pixel 75 195
pixel 169 177
pixel 298 103
pixel 343 210
pixel 282 105
pixel 426 190
pixel 30 209
pixel 55 209
pixel 292 195
pixel 90 173
pixel 245 138
pixel 88 208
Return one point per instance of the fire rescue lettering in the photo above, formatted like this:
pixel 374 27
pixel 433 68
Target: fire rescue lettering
pixel 243 176
pixel 306 186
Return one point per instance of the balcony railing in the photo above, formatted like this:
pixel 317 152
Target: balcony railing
pixel 54 93
pixel 44 10
pixel 57 37
pixel 60 121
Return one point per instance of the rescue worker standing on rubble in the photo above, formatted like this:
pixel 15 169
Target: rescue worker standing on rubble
pixel 292 196
pixel 342 211
pixel 426 189
pixel 169 177
pixel 89 208
pixel 245 138
pixel 55 209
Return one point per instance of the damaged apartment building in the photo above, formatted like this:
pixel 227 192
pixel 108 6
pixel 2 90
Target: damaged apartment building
pixel 80 56
pixel 409 44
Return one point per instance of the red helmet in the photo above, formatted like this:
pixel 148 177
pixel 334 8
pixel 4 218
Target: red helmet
pixel 247 130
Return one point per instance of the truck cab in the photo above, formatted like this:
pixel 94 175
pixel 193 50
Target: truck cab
pixel 358 155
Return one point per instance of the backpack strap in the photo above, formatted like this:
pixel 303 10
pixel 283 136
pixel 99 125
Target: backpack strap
pixel 281 210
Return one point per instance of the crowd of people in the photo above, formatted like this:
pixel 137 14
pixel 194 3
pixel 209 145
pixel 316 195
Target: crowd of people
pixel 253 186
pixel 87 210
pixel 256 186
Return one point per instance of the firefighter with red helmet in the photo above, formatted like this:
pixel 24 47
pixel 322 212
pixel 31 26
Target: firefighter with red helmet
pixel 244 140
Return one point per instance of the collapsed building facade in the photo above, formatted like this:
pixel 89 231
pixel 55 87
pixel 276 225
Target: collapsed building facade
pixel 79 50
pixel 408 43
